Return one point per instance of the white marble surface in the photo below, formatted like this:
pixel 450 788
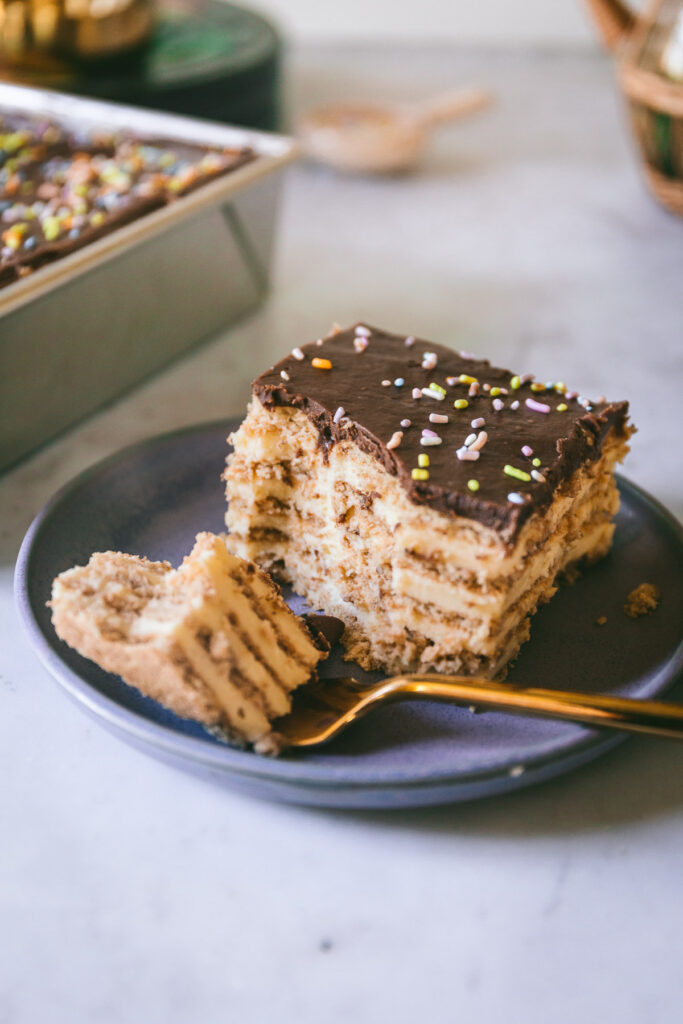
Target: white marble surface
pixel 133 892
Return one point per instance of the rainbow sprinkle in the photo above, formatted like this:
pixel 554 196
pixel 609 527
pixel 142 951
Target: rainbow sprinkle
pixel 518 474
pixel 531 403
pixel 431 392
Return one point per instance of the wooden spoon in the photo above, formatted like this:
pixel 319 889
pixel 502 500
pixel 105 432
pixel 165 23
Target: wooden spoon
pixel 382 139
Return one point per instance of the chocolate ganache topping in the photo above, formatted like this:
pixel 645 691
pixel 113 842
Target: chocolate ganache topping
pixel 462 436
pixel 63 187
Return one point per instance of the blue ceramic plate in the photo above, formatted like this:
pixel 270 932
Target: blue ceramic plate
pixel 153 498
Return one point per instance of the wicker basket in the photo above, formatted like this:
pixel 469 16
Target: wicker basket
pixel 650 70
pixel 656 101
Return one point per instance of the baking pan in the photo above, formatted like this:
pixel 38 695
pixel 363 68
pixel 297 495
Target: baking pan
pixel 80 331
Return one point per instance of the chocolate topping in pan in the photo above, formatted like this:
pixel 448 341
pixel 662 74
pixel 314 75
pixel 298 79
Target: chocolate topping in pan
pixel 62 188
pixel 535 434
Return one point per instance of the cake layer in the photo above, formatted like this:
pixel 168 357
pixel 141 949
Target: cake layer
pixel 316 497
pixel 349 555
pixel 213 640
pixel 418 570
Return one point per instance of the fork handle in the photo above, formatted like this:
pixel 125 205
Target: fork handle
pixel 644 716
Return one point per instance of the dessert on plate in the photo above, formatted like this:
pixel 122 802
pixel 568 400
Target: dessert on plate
pixel 212 640
pixel 428 499
pixel 62 188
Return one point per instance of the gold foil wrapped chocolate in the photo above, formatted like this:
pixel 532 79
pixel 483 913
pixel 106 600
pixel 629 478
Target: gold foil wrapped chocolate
pixel 78 29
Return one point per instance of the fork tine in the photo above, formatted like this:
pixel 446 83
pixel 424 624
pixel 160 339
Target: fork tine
pixel 322 709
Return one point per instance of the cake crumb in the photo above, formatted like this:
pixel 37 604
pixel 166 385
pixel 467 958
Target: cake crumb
pixel 643 600
pixel 601 621
pixel 570 574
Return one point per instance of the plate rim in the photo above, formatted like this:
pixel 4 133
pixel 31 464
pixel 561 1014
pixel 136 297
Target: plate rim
pixel 297 771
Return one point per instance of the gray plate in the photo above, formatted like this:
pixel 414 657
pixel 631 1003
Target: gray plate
pixel 153 498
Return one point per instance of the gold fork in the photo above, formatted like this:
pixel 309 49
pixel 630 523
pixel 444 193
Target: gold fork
pixel 323 709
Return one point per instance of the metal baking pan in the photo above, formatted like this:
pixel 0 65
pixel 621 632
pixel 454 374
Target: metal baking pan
pixel 80 331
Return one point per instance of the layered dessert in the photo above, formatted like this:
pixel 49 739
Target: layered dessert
pixel 213 640
pixel 428 499
pixel 62 188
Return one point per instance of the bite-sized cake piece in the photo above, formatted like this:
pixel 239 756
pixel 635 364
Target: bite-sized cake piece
pixel 426 498
pixel 212 640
